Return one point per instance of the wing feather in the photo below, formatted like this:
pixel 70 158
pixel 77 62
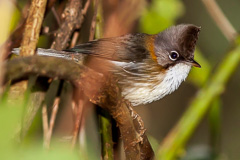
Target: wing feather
pixel 128 48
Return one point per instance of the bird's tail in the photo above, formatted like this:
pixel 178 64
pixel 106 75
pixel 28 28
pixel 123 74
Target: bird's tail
pixel 53 53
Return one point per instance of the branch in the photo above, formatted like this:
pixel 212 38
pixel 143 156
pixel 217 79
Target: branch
pixel 105 93
pixel 220 19
pixel 81 19
pixel 180 134
pixel 45 126
pixel 33 27
pixel 51 123
pixel 94 23
pixel 101 89
pixel 78 105
pixel 72 16
pixel 44 66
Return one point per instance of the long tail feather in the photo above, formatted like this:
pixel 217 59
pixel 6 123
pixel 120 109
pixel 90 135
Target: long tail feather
pixel 53 53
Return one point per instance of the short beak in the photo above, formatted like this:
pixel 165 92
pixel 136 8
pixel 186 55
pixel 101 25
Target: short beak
pixel 194 63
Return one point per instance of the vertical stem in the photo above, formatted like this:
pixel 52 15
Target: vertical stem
pixel 45 125
pixel 106 135
pixel 78 110
pixel 104 118
pixel 93 24
pixel 99 21
pixel 52 121
pixel 33 27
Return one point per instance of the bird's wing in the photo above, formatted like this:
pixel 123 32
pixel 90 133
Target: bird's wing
pixel 128 48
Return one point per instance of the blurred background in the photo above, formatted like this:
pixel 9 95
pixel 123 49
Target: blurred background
pixel 161 116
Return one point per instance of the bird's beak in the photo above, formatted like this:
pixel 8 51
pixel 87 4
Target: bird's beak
pixel 192 62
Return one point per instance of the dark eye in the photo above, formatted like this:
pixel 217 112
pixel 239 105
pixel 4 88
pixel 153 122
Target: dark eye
pixel 173 55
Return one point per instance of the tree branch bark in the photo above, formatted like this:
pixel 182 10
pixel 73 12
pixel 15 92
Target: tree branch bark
pixel 72 19
pixel 33 27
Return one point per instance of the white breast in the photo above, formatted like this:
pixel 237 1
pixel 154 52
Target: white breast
pixel 142 93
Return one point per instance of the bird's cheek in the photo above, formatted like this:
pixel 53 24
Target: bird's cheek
pixel 163 61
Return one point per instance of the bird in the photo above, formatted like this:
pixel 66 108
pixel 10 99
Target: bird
pixel 148 67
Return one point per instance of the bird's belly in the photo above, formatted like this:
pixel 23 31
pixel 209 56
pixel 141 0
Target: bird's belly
pixel 140 93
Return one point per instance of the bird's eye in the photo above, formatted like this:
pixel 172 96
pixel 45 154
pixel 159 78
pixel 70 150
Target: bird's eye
pixel 173 55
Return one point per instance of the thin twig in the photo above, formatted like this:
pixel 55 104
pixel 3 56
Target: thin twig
pixel 56 15
pixel 75 128
pixel 45 126
pixel 93 24
pixel 220 19
pixel 76 33
pixel 74 39
pixel 50 4
pixel 78 110
pixel 82 130
pixel 52 121
pixel 85 8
